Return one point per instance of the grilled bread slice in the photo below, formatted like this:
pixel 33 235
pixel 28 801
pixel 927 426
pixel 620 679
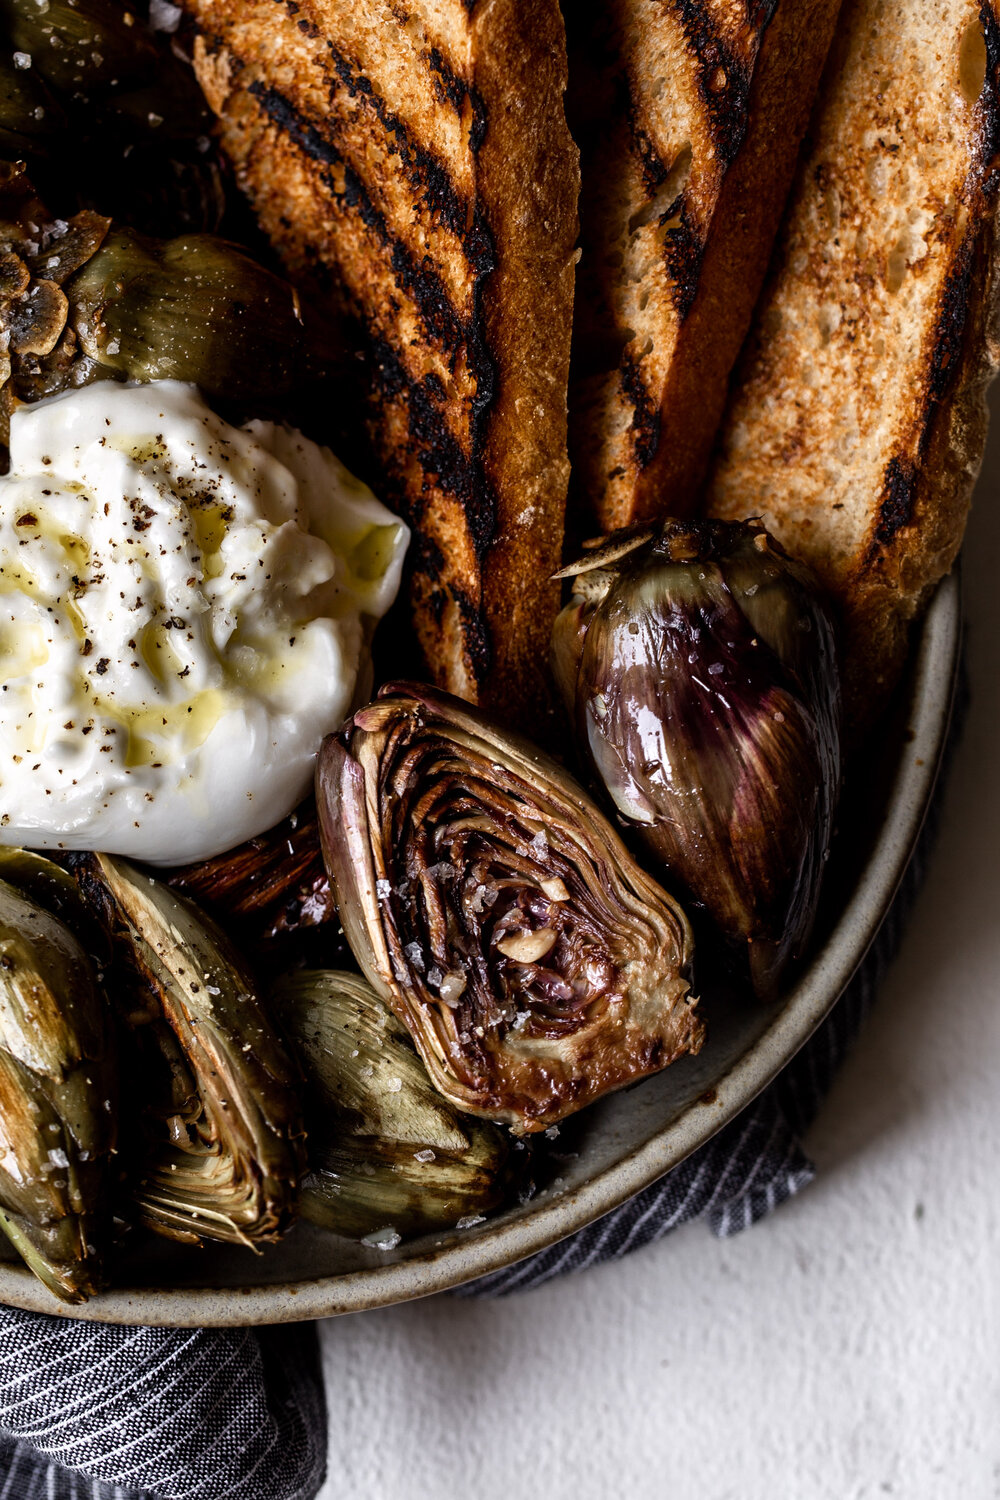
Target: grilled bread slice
pixel 682 195
pixel 858 421
pixel 410 160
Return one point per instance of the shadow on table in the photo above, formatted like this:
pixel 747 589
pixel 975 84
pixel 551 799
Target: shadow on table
pixel 882 1085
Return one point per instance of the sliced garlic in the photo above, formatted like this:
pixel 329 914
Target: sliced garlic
pixel 528 947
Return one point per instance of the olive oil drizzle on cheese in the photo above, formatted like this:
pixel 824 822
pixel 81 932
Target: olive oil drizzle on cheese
pixel 23 648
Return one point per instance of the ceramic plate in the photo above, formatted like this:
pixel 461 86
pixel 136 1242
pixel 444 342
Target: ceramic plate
pixel 623 1143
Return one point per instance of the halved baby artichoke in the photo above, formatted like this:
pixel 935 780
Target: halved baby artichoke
pixel 106 109
pixel 83 299
pixel 225 1141
pixel 195 308
pixel 386 1151
pixel 58 1084
pixel 699 666
pixel 271 886
pixel 496 911
pixel 80 44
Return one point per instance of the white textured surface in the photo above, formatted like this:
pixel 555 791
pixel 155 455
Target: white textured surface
pixel 849 1347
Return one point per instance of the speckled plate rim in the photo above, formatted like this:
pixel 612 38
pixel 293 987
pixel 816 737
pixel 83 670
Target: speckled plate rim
pixel 500 1245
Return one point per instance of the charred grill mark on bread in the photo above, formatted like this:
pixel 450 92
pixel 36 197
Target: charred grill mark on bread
pixel 440 320
pixel 895 507
pixel 682 248
pixel 858 418
pixel 645 425
pixel 379 147
pixel 465 100
pixel 681 199
pixel 724 67
pixel 440 454
pixel 427 175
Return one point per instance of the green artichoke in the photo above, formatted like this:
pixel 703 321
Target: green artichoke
pixel 105 109
pixel 193 308
pixel 58 1086
pixel 224 1140
pixel 31 123
pixel 386 1151
pixel 83 300
pixel 80 45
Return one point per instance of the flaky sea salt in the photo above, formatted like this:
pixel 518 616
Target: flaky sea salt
pixel 426 1155
pixel 382 1239
pixel 415 954
pixel 469 1220
pixel 163 16
pixel 22 59
pixel 383 889
pixel 485 895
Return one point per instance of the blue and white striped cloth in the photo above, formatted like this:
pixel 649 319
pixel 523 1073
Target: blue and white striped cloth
pixel 92 1412
pixel 89 1412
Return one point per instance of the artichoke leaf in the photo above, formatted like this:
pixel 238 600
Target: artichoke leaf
pixel 273 884
pixel 54 889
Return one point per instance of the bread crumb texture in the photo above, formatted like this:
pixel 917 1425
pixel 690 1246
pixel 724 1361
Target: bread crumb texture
pixel 857 424
pixel 689 118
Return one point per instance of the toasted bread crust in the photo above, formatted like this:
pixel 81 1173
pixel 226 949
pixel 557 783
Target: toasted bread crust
pixel 858 419
pixel 681 201
pixel 412 164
